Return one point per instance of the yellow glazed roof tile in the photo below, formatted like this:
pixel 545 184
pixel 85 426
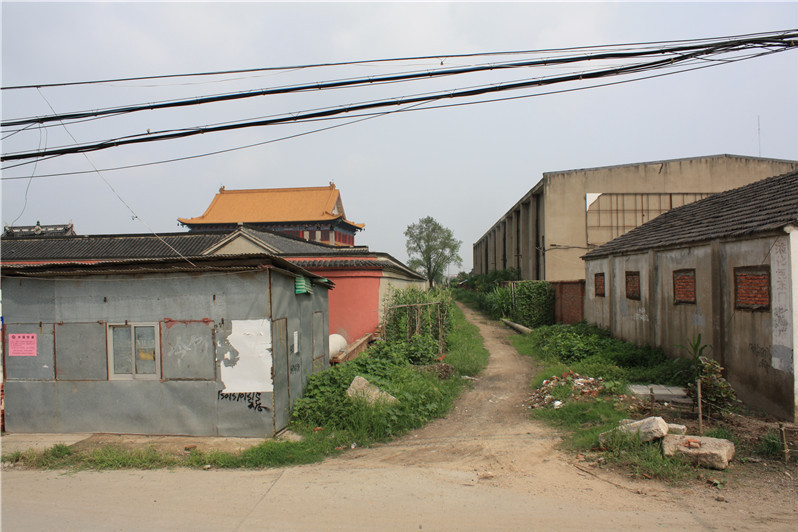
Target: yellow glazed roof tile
pixel 273 205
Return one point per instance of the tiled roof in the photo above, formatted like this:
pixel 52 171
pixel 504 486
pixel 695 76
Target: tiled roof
pixel 273 205
pixel 38 231
pixel 142 246
pixel 104 247
pixel 767 205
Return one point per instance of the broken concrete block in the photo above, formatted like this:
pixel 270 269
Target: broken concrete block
pixel 649 429
pixel 715 453
pixel 675 428
pixel 361 388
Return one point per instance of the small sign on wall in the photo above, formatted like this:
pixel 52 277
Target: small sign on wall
pixel 22 345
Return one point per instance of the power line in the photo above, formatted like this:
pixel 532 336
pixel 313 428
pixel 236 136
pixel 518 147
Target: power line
pixel 369 115
pixel 782 39
pixel 294 118
pixel 440 57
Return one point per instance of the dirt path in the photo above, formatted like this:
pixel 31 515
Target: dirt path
pixel 486 466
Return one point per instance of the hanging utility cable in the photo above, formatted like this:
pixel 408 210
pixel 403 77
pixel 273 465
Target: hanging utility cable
pixel 495 88
pixel 439 57
pixel 781 40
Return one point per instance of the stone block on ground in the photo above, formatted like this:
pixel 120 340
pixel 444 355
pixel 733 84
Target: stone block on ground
pixel 361 388
pixel 649 429
pixel 675 428
pixel 714 453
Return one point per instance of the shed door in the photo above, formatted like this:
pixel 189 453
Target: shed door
pixel 282 385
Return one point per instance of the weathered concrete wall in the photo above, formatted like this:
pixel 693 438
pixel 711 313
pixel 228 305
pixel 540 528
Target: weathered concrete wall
pixel 67 386
pixel 597 306
pixel 564 199
pixel 760 369
pixel 756 346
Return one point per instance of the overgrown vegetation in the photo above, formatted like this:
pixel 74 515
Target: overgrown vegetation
pixel 589 350
pixel 326 417
pixel 412 312
pixel 500 294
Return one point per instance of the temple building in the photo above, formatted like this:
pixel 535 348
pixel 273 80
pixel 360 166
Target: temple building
pixel 315 214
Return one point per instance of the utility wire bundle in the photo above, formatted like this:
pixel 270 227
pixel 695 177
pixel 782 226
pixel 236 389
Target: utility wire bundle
pixel 587 67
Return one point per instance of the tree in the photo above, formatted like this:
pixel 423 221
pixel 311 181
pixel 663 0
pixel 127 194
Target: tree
pixel 431 248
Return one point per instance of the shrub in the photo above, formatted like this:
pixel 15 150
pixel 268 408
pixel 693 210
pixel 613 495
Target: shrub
pixel 533 303
pixel 412 311
pixel 716 393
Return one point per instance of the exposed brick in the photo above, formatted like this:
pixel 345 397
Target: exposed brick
pixel 633 285
pixel 684 286
pixel 752 288
pixel 598 282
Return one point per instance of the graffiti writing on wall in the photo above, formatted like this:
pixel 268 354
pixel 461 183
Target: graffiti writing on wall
pixel 251 398
pixel 294 368
pixel 781 303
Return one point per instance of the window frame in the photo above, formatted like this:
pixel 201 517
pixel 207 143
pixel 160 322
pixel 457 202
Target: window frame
pixel 683 272
pixel 603 277
pixel 633 273
pixel 762 270
pixel 112 375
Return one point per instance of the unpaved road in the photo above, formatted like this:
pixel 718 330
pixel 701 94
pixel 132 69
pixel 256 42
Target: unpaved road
pixel 484 467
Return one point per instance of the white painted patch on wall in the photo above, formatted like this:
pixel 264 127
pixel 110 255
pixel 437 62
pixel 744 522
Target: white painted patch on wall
pixel 590 199
pixel 253 370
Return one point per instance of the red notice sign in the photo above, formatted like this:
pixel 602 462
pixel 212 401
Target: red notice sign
pixel 22 345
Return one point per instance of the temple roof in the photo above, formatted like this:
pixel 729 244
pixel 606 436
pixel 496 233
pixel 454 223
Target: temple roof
pixel 274 205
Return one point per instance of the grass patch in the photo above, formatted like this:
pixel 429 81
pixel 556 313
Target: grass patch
pixel 644 458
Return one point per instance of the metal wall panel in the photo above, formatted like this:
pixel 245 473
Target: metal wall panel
pixel 81 351
pixel 40 367
pixel 188 350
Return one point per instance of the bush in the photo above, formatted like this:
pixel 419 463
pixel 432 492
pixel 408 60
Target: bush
pixel 716 393
pixel 387 365
pixel 534 303
pixel 417 312
pixel 593 352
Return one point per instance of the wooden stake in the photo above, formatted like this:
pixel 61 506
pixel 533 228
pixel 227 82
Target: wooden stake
pixel 700 413
pixel 783 438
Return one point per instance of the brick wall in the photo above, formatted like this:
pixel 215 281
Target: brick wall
pixel 752 288
pixel 569 299
pixel 684 286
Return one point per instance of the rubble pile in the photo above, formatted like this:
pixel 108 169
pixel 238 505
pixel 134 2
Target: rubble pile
pixel 580 386
pixel 714 453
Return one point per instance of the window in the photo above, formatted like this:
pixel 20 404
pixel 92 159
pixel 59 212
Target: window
pixel 752 288
pixel 598 284
pixel 134 351
pixel 633 285
pixel 684 287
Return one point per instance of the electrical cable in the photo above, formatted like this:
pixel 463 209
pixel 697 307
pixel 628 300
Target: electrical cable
pixel 365 106
pixel 727 46
pixel 440 57
pixel 370 115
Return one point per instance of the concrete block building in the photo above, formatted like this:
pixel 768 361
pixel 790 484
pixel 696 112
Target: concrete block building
pixel 725 267
pixel 571 212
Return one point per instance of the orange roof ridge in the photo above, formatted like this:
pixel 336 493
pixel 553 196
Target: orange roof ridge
pixel 269 205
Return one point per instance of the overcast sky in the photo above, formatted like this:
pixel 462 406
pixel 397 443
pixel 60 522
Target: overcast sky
pixel 465 166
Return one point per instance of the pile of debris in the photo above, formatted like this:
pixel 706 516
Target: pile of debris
pixel 714 453
pixel 580 386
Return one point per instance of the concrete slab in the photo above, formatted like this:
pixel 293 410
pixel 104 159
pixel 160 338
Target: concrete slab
pixel 11 443
pixel 673 394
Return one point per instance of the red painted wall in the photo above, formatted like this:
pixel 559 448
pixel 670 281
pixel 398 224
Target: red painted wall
pixel 354 302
